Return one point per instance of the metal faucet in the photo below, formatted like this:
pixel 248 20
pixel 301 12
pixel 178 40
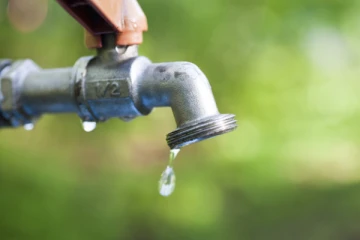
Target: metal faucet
pixel 115 83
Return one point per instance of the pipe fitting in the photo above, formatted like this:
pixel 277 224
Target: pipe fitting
pixel 181 86
pixel 11 86
pixel 107 86
pixel 107 89
pixel 184 87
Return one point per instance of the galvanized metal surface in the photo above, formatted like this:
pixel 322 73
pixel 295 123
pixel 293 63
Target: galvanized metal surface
pixel 116 83
pixel 12 80
pixel 4 64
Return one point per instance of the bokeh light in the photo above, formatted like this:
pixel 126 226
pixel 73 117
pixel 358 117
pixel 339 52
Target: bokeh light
pixel 27 15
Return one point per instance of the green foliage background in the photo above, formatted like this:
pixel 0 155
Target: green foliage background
pixel 290 72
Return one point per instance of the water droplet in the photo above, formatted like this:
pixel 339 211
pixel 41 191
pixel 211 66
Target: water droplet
pixel 88 126
pixel 167 180
pixel 29 126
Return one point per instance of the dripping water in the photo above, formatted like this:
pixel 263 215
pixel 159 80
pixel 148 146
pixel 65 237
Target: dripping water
pixel 167 180
pixel 88 126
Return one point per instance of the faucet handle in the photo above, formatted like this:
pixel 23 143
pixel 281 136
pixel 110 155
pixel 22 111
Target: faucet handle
pixel 124 18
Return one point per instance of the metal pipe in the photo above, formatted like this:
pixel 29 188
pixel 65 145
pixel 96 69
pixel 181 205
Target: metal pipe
pixel 109 86
pixel 181 86
pixel 49 91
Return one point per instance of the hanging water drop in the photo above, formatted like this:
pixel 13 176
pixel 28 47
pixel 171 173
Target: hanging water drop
pixel 29 126
pixel 88 126
pixel 167 180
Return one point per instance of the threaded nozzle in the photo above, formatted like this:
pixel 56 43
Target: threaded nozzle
pixel 200 130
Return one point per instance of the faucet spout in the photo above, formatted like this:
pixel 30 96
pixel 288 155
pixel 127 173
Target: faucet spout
pixel 185 88
pixel 181 86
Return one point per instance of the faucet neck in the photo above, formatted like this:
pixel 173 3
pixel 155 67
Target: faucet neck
pixel 111 52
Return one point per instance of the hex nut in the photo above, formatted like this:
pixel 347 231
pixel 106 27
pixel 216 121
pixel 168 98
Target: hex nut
pixel 10 85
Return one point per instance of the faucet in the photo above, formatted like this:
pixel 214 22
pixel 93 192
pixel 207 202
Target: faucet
pixel 117 82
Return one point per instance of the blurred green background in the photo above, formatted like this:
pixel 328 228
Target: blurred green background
pixel 288 69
